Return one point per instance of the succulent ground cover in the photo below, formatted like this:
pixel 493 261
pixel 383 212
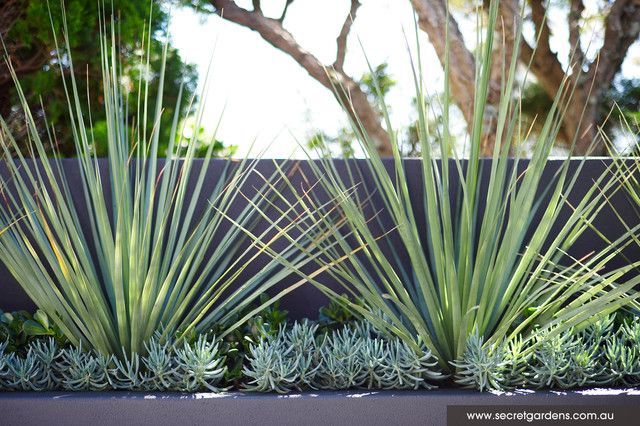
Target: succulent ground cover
pixel 269 353
pixel 300 358
pixel 188 367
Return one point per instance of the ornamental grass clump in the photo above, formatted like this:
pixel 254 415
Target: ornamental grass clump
pixel 476 243
pixel 134 252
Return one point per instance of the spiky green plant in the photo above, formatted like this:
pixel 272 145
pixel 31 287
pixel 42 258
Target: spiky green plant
pixel 149 257
pixel 185 366
pixel 372 356
pixel 596 355
pixel 358 356
pixel 572 359
pixel 285 361
pixel 340 367
pixel 4 370
pixel 516 362
pixel 477 242
pixel 622 362
pixel 24 373
pixel 405 369
pixel 622 354
pixel 126 373
pixel 301 337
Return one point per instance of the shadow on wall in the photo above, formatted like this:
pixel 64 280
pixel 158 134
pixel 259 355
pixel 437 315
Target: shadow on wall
pixel 305 301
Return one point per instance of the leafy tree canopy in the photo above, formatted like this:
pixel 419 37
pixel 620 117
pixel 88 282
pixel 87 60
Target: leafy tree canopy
pixel 26 27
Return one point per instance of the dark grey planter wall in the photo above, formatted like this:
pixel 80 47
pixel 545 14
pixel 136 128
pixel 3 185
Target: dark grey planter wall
pixel 306 300
pixel 312 408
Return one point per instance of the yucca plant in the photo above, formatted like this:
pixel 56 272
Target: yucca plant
pixel 478 242
pixel 150 257
pixel 626 172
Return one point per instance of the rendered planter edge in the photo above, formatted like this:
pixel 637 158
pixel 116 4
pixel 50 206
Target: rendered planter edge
pixel 310 408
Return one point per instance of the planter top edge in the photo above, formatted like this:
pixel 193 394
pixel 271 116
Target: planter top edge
pixel 354 394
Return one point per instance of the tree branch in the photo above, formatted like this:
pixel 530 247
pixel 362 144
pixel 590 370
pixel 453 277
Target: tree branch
pixel 256 6
pixel 25 59
pixel 621 30
pixel 272 31
pixel 284 11
pixel 576 8
pixel 341 41
pixel 346 90
pixel 544 62
pixel 507 24
pixel 432 19
pixel 9 13
pixel 539 18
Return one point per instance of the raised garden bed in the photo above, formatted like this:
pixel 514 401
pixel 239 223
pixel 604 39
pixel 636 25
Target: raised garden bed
pixel 321 407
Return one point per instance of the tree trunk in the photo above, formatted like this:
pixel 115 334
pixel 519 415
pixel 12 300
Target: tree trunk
pixel 433 20
pixel 580 123
pixel 621 29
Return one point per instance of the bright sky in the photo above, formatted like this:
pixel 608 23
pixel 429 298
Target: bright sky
pixel 267 96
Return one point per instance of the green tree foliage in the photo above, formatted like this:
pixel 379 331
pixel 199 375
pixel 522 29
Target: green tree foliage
pixel 377 83
pixel 30 41
pixel 203 139
pixel 623 101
